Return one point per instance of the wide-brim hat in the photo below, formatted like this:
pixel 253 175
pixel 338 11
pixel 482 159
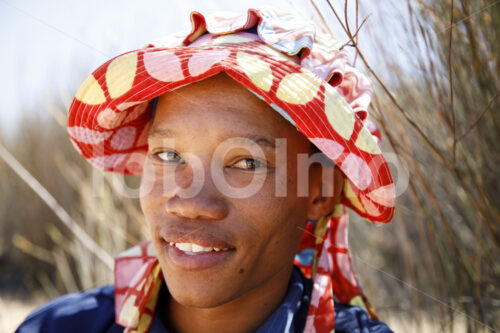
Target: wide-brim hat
pixel 296 69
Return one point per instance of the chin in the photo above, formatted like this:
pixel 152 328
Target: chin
pixel 199 295
pixel 200 290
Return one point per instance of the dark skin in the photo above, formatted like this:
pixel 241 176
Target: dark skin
pixel 263 230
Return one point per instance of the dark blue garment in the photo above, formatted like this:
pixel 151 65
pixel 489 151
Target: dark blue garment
pixel 355 319
pixel 93 311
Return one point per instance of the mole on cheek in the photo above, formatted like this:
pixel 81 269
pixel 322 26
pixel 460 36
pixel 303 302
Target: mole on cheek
pixel 241 271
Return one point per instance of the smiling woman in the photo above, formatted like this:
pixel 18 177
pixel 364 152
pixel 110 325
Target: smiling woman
pixel 247 221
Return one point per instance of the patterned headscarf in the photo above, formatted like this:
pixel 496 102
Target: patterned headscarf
pixel 301 73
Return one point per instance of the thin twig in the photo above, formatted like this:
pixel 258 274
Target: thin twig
pixel 450 75
pixel 357 29
pixel 337 16
pixel 470 16
pixel 346 18
pixel 474 123
pixel 327 27
pixel 352 39
pixel 65 218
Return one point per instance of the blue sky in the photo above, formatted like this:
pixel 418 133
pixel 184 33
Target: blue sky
pixel 49 47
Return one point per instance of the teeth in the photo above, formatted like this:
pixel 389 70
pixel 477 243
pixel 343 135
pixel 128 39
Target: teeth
pixel 186 247
pixel 195 248
pixel 198 248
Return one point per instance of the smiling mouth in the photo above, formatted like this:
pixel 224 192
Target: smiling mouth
pixel 196 257
pixel 194 249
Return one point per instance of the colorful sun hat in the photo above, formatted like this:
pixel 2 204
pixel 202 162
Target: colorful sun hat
pixel 289 63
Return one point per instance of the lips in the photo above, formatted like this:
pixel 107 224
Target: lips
pixel 196 248
pixel 196 261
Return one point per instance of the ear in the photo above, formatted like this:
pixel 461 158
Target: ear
pixel 325 190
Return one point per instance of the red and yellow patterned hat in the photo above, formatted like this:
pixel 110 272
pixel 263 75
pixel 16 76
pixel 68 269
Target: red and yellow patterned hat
pixel 302 74
pixel 298 70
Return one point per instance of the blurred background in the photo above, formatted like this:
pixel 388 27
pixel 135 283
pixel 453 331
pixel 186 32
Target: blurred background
pixel 434 67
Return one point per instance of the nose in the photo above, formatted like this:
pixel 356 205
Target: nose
pixel 201 206
pixel 188 200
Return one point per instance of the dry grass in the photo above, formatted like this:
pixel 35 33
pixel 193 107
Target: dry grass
pixel 437 110
pixel 53 258
pixel 13 311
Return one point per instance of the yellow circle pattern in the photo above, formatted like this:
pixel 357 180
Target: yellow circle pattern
pixel 341 120
pixel 120 74
pixel 257 70
pixel 366 143
pixel 230 39
pixel 298 88
pixel 90 92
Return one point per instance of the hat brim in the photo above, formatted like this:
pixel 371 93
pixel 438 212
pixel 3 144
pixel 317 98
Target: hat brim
pixel 110 116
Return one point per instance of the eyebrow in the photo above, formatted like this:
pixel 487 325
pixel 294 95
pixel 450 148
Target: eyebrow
pixel 259 139
pixel 160 132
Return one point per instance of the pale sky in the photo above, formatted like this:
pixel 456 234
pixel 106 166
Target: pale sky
pixel 49 47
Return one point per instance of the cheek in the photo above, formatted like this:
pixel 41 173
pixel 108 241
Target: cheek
pixel 152 197
pixel 277 220
pixel 161 182
pixel 277 229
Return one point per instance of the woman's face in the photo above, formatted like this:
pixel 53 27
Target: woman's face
pixel 218 223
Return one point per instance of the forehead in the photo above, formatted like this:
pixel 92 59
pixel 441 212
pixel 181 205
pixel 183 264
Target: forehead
pixel 219 106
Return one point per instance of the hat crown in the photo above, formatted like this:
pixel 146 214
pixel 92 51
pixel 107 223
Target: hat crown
pixel 301 40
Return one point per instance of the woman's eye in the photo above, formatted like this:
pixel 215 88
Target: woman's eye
pixel 249 164
pixel 169 156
